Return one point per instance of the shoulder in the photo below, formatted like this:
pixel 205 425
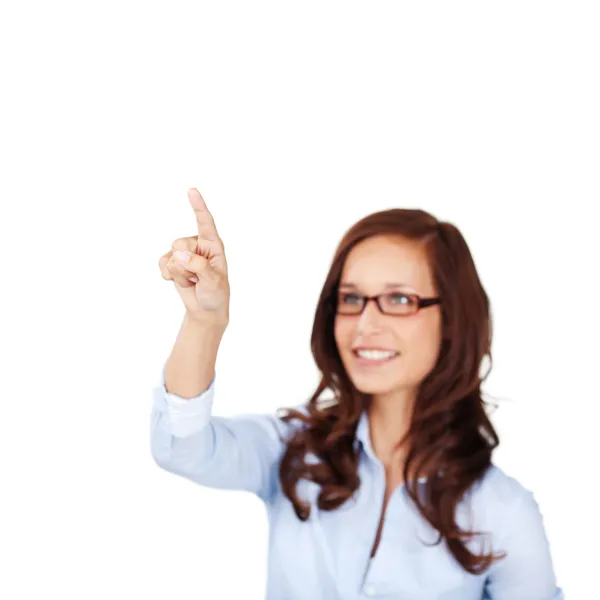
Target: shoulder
pixel 509 517
pixel 498 500
pixel 300 416
pixel 499 487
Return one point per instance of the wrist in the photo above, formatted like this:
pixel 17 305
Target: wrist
pixel 215 322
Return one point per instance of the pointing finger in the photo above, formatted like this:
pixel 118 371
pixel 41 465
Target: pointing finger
pixel 206 224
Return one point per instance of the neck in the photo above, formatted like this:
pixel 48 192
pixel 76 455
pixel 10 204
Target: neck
pixel 389 420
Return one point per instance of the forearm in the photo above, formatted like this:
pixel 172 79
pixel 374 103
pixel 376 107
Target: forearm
pixel 190 367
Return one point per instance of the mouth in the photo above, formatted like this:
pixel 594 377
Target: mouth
pixel 374 356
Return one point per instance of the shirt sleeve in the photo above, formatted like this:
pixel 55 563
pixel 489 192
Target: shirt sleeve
pixel 527 572
pixel 237 453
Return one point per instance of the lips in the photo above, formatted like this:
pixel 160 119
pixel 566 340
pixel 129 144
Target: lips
pixel 377 348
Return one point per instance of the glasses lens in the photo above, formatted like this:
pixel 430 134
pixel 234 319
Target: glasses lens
pixel 349 303
pixel 398 303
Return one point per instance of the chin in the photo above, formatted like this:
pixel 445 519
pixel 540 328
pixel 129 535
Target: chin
pixel 362 384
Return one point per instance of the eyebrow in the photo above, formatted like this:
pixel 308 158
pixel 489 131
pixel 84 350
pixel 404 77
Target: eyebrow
pixel 387 285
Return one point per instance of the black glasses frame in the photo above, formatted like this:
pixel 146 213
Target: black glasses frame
pixel 419 301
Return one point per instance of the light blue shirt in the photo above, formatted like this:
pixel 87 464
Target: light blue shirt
pixel 327 557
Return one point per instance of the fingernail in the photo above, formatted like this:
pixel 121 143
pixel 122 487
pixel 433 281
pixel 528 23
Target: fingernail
pixel 183 257
pixel 193 279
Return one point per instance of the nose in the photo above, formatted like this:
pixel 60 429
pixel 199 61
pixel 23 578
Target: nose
pixel 370 319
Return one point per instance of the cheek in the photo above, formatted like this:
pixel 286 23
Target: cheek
pixel 342 332
pixel 423 344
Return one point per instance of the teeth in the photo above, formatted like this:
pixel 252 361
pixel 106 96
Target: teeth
pixel 375 354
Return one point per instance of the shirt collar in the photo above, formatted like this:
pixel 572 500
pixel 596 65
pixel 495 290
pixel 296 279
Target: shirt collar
pixel 363 438
pixel 363 435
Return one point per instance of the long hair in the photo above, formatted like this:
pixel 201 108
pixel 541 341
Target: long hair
pixel 450 439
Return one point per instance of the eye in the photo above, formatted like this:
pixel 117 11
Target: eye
pixel 350 298
pixel 402 299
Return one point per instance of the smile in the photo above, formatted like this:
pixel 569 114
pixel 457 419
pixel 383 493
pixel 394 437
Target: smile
pixel 374 357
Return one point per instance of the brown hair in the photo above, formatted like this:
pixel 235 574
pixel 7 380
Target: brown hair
pixel 450 439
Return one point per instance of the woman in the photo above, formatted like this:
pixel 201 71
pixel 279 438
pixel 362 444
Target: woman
pixel 385 489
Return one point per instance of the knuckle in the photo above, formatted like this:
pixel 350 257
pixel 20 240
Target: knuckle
pixel 175 266
pixel 163 266
pixel 180 244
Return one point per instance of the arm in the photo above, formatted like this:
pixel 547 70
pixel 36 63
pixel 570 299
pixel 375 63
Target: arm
pixel 527 572
pixel 191 366
pixel 238 453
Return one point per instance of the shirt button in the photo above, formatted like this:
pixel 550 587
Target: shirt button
pixel 369 591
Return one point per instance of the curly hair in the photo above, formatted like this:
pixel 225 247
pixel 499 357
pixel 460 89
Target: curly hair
pixel 450 439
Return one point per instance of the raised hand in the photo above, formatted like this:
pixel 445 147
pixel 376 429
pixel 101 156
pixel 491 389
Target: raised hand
pixel 198 267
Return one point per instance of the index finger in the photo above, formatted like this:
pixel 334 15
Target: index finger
pixel 206 224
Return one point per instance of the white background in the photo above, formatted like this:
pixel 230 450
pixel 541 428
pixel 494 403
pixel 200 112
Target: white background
pixel 293 120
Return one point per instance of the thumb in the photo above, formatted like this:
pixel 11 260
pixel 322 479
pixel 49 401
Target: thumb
pixel 196 264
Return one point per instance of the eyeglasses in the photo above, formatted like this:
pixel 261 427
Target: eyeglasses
pixel 398 304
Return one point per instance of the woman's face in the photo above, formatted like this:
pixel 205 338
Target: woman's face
pixel 372 267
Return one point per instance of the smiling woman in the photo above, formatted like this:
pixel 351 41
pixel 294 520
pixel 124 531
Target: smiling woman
pixel 387 488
